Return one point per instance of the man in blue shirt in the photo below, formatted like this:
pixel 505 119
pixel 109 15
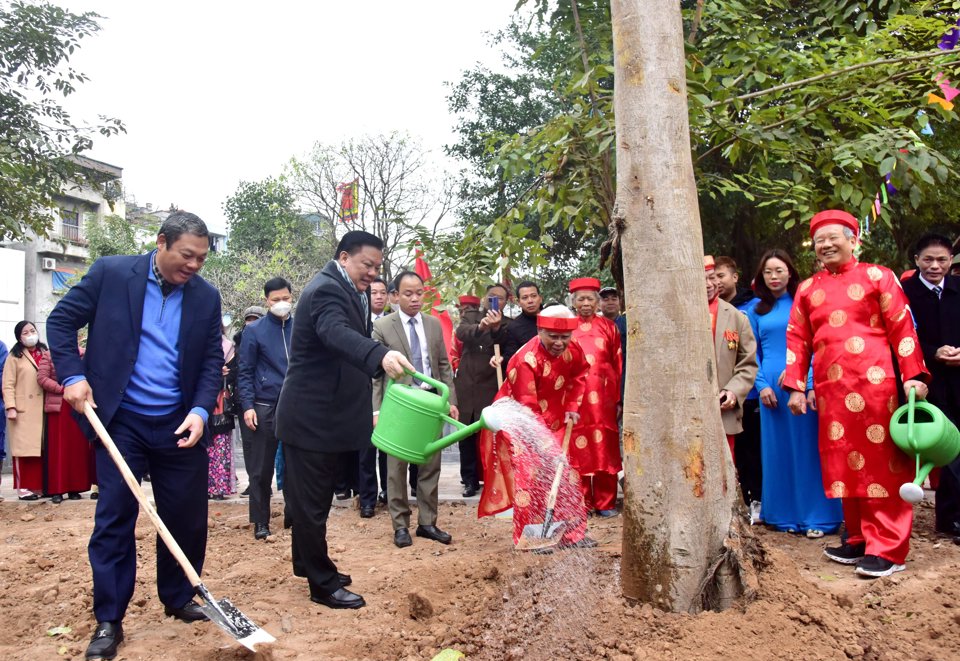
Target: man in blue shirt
pixel 152 369
pixel 263 357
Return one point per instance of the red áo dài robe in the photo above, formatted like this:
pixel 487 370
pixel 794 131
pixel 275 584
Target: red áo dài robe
pixel 515 475
pixel 848 322
pixel 595 446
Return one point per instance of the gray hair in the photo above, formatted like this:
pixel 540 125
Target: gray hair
pixel 848 233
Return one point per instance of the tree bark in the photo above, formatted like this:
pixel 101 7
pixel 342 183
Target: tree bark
pixel 681 544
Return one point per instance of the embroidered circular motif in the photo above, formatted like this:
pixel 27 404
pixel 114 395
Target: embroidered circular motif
pixel 819 347
pixel 835 431
pixel 558 384
pixel 591 360
pixel 838 318
pixel 854 402
pixel 543 405
pixel 597 436
pixel 593 397
pixel 585 327
pixel 581 442
pixel 900 315
pixel 801 385
pixel 818 297
pixel 600 342
pixel 521 498
pixel 876 375
pixel 839 489
pixel 567 356
pixel 791 357
pixel 874 273
pixel 512 375
pixel 835 372
pixel 530 359
pixel 876 491
pixel 532 386
pixel 855 292
pixel 555 426
pixel 805 285
pixel 855 460
pixel 875 321
pixel 906 347
pixel 886 298
pixel 547 369
pixel 876 433
pixel 892 403
pixel 855 344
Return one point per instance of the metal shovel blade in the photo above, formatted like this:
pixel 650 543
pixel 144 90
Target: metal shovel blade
pixel 229 618
pixel 533 536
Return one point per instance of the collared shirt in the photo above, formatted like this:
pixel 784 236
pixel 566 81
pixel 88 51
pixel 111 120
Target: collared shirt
pixel 929 285
pixel 424 351
pixel 363 299
pixel 166 288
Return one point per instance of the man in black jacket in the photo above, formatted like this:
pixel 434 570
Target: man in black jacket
pixel 263 356
pixel 935 303
pixel 523 328
pixel 325 407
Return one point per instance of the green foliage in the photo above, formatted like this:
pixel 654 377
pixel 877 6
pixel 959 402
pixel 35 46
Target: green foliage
pixel 111 236
pixel 37 136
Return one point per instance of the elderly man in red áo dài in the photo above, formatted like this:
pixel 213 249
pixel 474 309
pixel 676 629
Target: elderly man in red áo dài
pixel 595 449
pixel 548 376
pixel 847 318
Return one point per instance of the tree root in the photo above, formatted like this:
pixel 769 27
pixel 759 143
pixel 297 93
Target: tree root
pixel 733 578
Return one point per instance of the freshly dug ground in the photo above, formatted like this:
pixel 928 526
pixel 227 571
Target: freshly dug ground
pixel 476 596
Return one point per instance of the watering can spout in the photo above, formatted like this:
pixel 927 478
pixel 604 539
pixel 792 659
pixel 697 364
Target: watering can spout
pixel 912 492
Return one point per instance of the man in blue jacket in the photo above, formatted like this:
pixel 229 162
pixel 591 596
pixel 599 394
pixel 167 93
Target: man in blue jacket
pixel 263 357
pixel 152 369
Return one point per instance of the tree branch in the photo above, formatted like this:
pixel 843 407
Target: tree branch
pixel 698 15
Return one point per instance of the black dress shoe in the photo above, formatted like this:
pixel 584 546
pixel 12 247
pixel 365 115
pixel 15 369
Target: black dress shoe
pixel 56 498
pixel 74 495
pixel 434 533
pixel 342 598
pixel 471 491
pixel 366 512
pixel 342 495
pixel 106 639
pixel 401 537
pixel 344 579
pixel 189 612
pixel 261 530
pixel 32 496
pixel 382 497
pixel 94 495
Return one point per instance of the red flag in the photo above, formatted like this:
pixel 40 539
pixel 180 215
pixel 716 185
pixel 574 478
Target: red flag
pixel 422 269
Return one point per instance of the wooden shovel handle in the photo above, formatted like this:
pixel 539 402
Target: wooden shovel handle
pixel 496 352
pixel 141 497
pixel 555 487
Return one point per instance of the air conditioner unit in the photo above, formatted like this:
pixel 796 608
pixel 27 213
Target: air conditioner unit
pixel 49 264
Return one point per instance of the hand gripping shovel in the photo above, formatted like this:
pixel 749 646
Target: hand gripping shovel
pixel 222 612
pixel 543 535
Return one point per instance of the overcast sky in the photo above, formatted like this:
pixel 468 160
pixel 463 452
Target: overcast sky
pixel 213 93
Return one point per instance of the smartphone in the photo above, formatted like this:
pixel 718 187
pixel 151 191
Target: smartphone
pixel 494 304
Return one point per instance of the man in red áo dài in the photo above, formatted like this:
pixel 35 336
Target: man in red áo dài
pixel 595 449
pixel 847 318
pixel 547 375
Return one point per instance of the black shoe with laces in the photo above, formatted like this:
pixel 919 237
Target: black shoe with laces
pixel 873 566
pixel 846 554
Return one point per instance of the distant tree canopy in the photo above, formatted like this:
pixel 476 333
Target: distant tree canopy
pixel 36 132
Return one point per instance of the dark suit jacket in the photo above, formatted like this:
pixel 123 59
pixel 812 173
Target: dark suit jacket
pixel 325 402
pixel 938 323
pixel 476 380
pixel 390 332
pixel 110 299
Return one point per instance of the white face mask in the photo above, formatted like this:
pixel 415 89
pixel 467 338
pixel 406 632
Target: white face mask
pixel 281 308
pixel 30 340
pixel 227 320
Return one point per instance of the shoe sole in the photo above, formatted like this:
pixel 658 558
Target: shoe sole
pixel 880 574
pixel 360 604
pixel 842 560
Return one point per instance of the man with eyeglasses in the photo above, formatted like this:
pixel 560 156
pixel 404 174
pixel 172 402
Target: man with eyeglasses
pixel 935 302
pixel 849 319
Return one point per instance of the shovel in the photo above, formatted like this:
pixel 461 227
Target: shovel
pixel 540 536
pixel 222 612
pixel 496 352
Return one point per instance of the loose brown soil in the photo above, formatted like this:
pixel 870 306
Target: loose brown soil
pixel 476 596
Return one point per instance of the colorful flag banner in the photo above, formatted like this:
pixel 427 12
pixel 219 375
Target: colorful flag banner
pixel 349 200
pixel 949 40
pixel 422 269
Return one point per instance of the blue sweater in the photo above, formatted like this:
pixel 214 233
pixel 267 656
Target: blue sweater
pixel 263 355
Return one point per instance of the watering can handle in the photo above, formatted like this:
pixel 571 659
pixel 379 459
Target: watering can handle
pixel 911 410
pixel 442 389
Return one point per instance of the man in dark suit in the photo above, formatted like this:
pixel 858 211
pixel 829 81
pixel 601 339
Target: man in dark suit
pixel 325 407
pixel 935 302
pixel 152 369
pixel 419 338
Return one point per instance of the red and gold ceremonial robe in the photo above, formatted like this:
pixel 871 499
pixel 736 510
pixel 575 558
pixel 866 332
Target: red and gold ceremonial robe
pixel 550 386
pixel 596 438
pixel 847 322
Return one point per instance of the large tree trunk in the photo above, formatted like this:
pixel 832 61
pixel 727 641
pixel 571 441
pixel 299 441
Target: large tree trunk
pixel 681 524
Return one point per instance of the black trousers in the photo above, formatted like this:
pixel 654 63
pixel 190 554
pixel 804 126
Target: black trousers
pixel 308 491
pixel 348 474
pixel 263 452
pixel 746 447
pixel 470 469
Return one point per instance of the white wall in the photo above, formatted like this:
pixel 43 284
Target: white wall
pixel 11 292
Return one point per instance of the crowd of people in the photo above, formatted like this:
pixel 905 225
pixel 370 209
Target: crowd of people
pixel 808 372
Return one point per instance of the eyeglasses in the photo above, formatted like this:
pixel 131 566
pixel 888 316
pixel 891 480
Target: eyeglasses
pixel 769 272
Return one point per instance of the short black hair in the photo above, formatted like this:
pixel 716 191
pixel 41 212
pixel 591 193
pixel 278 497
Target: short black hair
pixel 274 284
pixel 932 239
pixel 182 222
pixel 500 285
pixel 353 242
pixel 526 284
pixel 402 275
pixel 380 280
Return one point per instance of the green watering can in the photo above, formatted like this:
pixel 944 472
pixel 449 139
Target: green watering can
pixel 922 430
pixel 411 419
